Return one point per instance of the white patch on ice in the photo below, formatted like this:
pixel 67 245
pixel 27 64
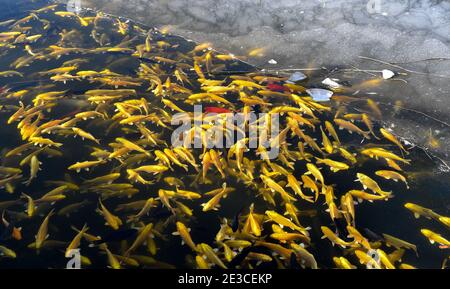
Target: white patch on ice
pixel 387 73
pixel 331 83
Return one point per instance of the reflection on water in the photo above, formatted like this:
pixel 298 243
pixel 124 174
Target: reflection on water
pixel 130 72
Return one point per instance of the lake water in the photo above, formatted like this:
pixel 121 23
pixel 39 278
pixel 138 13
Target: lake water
pixel 427 178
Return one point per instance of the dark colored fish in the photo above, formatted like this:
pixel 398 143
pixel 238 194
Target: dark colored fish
pixel 148 60
pixel 372 236
pixel 120 52
pixel 341 226
pixel 7 233
pixel 117 236
pixel 235 222
pixel 237 260
pixel 293 261
pixel 72 113
pixel 160 213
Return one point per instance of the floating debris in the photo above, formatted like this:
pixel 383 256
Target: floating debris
pixel 331 83
pixel 387 74
pixel 319 94
pixel 296 77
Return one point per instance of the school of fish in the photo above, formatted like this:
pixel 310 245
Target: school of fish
pixel 86 114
